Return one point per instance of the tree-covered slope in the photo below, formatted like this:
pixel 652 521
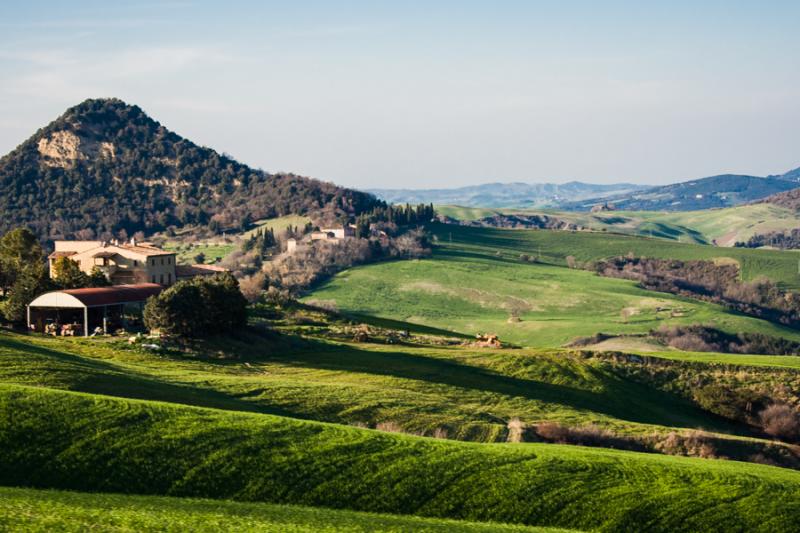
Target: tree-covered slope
pixel 54 439
pixel 105 166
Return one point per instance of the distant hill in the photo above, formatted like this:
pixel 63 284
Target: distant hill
pixel 506 194
pixel 105 167
pixel 716 191
pixel 792 175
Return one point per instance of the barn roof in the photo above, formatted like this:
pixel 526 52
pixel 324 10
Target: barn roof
pixel 97 296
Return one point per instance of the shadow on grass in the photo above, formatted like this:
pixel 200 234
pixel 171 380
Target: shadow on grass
pixel 619 398
pixel 101 377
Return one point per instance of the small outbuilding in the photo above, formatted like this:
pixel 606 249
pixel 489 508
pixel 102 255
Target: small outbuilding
pixel 67 312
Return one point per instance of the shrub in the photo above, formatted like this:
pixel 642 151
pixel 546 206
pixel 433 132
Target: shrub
pixel 781 421
pixel 198 307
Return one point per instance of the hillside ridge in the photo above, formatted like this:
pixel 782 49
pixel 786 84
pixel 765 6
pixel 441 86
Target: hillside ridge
pixel 105 167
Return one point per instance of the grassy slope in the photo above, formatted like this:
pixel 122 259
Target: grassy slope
pixel 470 393
pixel 92 443
pixel 278 224
pixel 726 226
pixel 555 246
pixel 467 288
pixel 29 510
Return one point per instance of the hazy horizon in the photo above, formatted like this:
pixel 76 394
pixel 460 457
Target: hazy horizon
pixel 375 95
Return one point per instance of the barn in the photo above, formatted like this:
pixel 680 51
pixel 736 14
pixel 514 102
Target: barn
pixel 81 311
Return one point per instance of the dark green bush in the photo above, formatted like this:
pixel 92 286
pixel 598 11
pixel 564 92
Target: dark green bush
pixel 198 307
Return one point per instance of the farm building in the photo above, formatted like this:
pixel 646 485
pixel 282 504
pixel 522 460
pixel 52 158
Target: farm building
pixel 122 263
pixel 128 263
pixel 81 311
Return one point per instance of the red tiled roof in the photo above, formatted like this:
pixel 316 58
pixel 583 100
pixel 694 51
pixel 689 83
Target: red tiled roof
pixel 116 294
pixel 144 250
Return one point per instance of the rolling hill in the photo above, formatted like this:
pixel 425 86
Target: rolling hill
pixel 105 166
pixel 724 227
pixel 94 443
pixel 475 282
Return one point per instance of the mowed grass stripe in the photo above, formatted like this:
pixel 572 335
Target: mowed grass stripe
pixel 92 443
pixel 29 510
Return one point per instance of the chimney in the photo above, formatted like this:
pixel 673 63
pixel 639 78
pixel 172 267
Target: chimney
pixel 133 241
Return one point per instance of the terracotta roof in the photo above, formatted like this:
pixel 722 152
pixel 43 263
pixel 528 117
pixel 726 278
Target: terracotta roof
pixel 144 250
pixel 56 255
pixel 116 294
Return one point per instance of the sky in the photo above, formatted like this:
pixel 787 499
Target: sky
pixel 428 94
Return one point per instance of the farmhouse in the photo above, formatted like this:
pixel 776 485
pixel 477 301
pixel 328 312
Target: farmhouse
pixel 128 263
pixel 122 263
pixel 79 311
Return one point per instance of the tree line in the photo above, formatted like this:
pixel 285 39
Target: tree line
pixel 708 281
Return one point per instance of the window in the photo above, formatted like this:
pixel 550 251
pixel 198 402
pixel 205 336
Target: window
pixel 162 260
pixel 154 278
pixel 162 279
pixel 169 279
pixel 136 262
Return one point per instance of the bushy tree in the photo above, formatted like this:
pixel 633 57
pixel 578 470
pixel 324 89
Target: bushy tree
pixel 68 274
pixel 24 275
pixel 198 307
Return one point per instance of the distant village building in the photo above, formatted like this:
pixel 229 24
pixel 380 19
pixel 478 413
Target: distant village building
pixel 330 235
pixel 128 263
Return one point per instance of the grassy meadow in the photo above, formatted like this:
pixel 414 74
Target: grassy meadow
pixel 475 283
pixel 553 247
pixel 724 226
pixel 100 444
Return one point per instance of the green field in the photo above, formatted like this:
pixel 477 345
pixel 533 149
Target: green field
pixel 555 246
pixel 475 283
pixel 29 510
pixel 275 425
pixel 471 394
pixel 725 226
pixel 92 443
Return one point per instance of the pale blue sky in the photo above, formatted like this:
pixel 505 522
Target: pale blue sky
pixel 422 94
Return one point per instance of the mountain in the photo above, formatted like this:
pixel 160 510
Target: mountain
pixel 105 167
pixel 505 194
pixel 716 191
pixel 792 175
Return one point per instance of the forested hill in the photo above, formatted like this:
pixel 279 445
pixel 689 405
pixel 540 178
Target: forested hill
pixel 105 167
